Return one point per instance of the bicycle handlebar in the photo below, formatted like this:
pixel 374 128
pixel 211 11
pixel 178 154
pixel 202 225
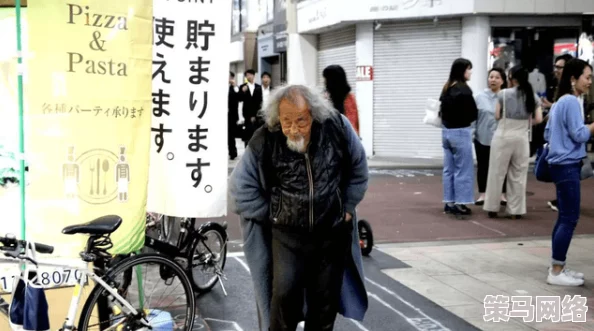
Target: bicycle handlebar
pixel 10 244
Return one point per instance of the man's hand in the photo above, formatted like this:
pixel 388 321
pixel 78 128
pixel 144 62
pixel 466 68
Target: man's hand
pixel 348 217
pixel 244 88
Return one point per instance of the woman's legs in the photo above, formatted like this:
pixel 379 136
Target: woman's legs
pixel 501 152
pixel 517 176
pixel 482 167
pixel 448 168
pixel 464 165
pixel 482 159
pixel 567 183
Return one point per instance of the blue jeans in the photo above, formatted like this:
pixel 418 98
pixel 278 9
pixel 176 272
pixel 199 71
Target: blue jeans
pixel 567 183
pixel 458 166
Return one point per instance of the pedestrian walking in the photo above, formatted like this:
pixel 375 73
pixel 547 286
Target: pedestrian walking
pixel 458 112
pixel 567 135
pixel 232 115
pixel 250 94
pixel 296 189
pixel 518 107
pixel 485 127
pixel 339 92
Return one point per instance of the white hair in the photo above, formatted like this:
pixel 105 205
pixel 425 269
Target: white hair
pixel 319 106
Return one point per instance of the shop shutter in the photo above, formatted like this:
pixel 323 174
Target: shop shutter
pixel 411 62
pixel 338 47
pixel 276 72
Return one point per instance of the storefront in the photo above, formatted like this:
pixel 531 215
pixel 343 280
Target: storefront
pixel 410 46
pixel 338 47
pixel 411 63
pixel 268 60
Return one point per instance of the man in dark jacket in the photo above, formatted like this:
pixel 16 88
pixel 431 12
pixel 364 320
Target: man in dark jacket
pixel 232 116
pixel 250 94
pixel 302 175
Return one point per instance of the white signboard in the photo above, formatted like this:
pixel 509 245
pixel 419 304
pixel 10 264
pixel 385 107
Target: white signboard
pixel 188 171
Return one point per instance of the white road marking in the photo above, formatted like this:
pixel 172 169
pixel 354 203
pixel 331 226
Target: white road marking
pixel 235 254
pixel 237 327
pixel 489 228
pixel 387 305
pixel 418 310
pixel 359 325
pixel 243 264
pixel 418 323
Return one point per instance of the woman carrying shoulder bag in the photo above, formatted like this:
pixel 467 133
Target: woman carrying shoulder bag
pixel 567 135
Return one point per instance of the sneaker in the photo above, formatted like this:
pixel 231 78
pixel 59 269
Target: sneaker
pixel 572 273
pixel 564 279
pixel 553 205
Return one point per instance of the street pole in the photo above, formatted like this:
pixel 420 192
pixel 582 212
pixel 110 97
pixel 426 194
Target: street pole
pixel 20 70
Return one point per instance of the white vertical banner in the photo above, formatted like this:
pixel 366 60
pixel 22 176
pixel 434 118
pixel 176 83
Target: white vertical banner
pixel 189 159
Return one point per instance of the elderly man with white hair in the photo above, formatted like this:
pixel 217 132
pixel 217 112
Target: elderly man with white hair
pixel 296 189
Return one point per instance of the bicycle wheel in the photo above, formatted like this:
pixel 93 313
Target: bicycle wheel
pixel 208 256
pixel 365 237
pixel 132 278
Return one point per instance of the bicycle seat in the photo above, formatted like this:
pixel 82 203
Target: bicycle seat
pixel 99 226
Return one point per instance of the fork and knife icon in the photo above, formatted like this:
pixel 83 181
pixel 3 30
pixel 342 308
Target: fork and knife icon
pixel 98 167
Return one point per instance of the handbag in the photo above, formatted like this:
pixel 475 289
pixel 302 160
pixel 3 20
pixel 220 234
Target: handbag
pixel 432 113
pixel 542 169
pixel 29 309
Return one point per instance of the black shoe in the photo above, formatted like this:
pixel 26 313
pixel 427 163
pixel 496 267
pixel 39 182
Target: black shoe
pixel 451 210
pixel 503 203
pixel 465 210
pixel 515 217
pixel 479 202
pixel 492 214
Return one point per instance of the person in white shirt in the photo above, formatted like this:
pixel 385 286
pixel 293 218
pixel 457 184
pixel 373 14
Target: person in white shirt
pixel 251 96
pixel 538 82
pixel 266 88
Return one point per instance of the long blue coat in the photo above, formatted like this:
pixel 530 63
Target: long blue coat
pixel 246 196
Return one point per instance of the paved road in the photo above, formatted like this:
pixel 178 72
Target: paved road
pixel 392 305
pixel 405 206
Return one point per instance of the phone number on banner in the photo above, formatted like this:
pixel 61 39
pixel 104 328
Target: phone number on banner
pixel 47 277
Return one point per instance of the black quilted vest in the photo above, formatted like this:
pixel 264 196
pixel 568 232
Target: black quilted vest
pixel 305 191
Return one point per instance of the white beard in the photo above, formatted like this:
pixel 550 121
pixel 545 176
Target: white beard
pixel 297 146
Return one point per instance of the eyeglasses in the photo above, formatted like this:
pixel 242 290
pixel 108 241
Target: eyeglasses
pixel 559 67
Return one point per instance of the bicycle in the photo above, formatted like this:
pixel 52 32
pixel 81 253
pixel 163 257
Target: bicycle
pixel 191 245
pixel 111 297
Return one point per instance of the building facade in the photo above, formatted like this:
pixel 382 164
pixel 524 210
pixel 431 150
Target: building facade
pixel 398 53
pixel 259 38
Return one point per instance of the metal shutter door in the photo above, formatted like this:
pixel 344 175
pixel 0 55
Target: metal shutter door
pixel 411 63
pixel 276 73
pixel 338 47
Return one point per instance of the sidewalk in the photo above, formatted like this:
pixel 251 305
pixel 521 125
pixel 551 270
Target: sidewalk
pixel 376 162
pixel 373 162
pixel 458 276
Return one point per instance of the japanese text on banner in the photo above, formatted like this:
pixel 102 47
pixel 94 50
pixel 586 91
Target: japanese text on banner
pixel 88 136
pixel 188 171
